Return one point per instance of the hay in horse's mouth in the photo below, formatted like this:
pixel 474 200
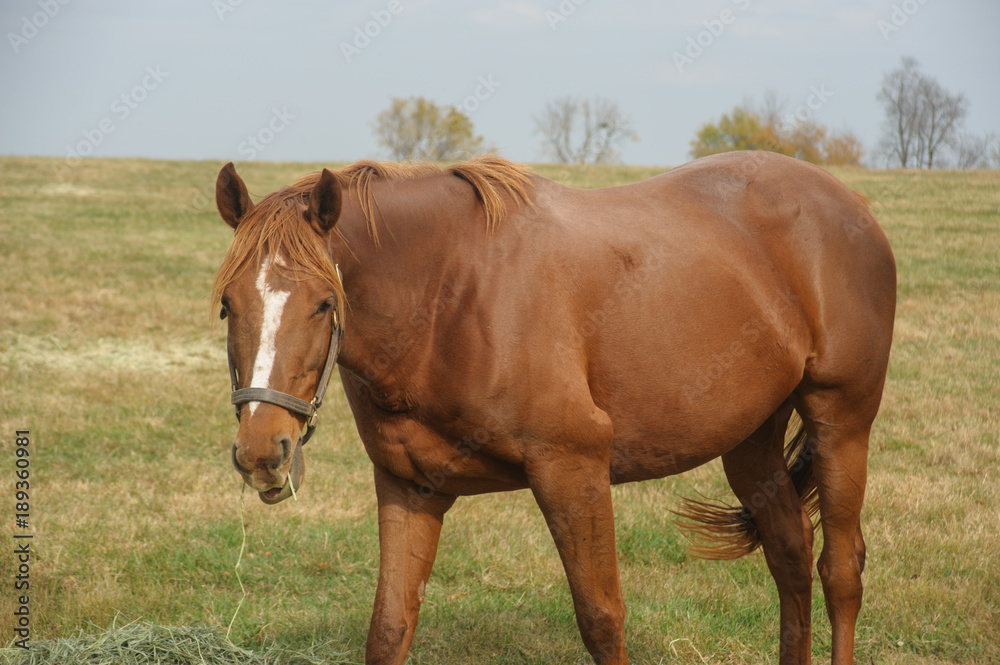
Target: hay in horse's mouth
pixel 293 481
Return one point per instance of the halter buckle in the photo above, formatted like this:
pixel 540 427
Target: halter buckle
pixel 314 418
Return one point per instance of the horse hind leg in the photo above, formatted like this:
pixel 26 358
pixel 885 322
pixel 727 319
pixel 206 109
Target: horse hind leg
pixel 758 471
pixel 773 482
pixel 838 429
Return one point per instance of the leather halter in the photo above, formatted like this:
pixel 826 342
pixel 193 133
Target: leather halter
pixel 310 409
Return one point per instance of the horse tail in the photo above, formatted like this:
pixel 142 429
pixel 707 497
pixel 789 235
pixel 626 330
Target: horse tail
pixel 720 531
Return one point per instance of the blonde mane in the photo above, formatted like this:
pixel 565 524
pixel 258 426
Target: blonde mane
pixel 489 176
pixel 275 223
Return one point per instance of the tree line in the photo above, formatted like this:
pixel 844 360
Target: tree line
pixel 573 131
pixel 923 127
pixel 766 126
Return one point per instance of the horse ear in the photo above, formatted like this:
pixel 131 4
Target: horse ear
pixel 325 200
pixel 231 197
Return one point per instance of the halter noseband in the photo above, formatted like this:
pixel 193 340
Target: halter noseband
pixel 310 409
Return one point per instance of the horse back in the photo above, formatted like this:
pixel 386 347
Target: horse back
pixel 723 282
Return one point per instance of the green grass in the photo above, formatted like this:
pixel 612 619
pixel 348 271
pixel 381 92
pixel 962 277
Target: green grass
pixel 111 355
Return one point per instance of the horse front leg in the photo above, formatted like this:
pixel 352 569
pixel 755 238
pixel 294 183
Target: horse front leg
pixel 574 493
pixel 409 526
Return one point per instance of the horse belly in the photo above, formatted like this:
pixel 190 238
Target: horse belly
pixel 673 434
pixel 682 439
pixel 679 400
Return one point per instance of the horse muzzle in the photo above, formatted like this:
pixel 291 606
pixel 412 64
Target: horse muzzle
pixel 293 480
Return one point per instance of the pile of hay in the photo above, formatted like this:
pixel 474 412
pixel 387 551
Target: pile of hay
pixel 140 643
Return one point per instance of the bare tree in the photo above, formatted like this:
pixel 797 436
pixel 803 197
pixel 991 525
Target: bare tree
pixel 972 151
pixel 921 116
pixel 943 114
pixel 771 108
pixel 898 96
pixel 556 127
pixel 580 131
pixel 417 128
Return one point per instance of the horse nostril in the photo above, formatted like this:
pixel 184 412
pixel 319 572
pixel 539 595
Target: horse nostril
pixel 287 447
pixel 236 463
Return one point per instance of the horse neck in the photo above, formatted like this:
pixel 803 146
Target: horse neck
pixel 394 290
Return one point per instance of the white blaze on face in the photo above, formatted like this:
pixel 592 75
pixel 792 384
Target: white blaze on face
pixel 273 306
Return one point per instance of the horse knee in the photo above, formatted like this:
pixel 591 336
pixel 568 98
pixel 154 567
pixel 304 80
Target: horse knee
pixel 603 619
pixel 385 642
pixel 603 631
pixel 841 579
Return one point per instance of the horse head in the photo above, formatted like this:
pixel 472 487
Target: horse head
pixel 282 299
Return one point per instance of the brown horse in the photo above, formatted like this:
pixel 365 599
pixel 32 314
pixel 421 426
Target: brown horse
pixel 501 331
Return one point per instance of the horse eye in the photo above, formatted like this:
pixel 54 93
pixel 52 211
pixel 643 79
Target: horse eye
pixel 323 308
pixel 224 312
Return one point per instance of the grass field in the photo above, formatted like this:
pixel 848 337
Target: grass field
pixel 112 357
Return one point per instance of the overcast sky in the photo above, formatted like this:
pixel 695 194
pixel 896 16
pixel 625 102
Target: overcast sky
pixel 259 79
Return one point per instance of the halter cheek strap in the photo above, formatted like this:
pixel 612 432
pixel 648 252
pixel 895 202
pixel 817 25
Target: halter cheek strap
pixel 310 409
